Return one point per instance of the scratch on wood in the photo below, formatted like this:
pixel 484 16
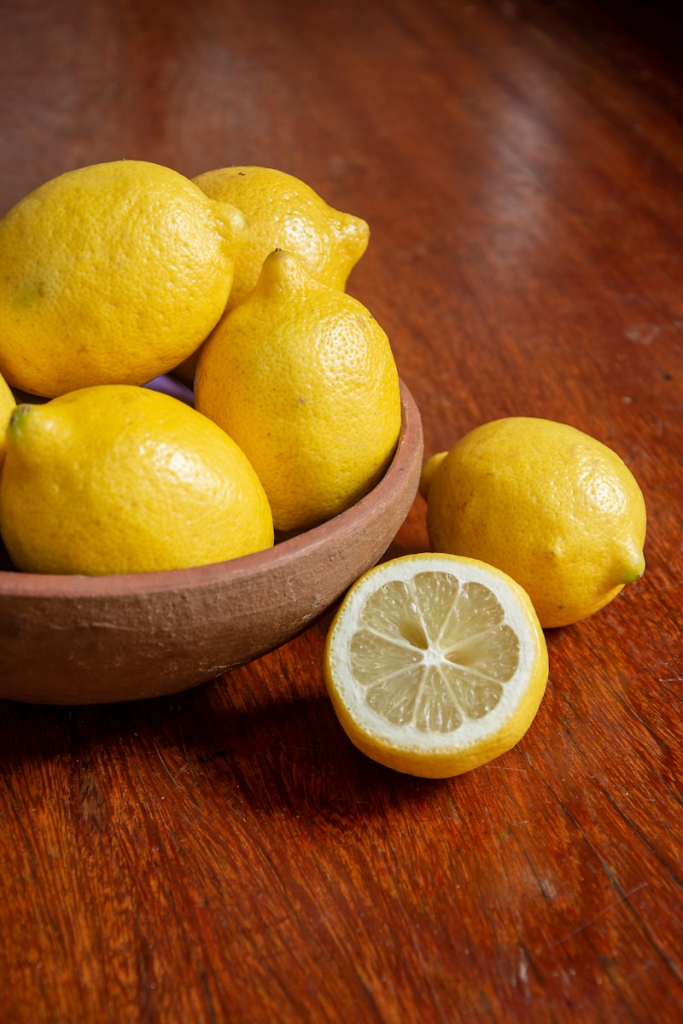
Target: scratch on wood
pixel 523 970
pixel 166 768
pixel 596 917
pixel 496 843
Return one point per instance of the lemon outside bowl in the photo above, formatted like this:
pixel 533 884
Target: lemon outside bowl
pixel 94 640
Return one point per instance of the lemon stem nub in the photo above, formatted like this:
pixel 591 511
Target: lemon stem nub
pixel 18 415
pixel 428 470
pixel 632 566
pixel 232 225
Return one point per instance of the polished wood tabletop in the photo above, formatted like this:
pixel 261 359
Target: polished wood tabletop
pixel 226 854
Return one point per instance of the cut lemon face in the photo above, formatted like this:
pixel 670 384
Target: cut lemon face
pixel 435 664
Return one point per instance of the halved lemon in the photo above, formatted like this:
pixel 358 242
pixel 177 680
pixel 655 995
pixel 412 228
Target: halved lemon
pixel 435 664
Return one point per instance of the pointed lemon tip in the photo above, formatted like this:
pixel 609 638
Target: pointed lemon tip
pixel 428 470
pixel 5 420
pixel 283 271
pixel 18 417
pixel 631 564
pixel 355 232
pixel 19 429
pixel 231 223
pixel 354 228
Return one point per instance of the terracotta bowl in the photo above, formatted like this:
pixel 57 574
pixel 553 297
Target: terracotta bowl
pixel 90 640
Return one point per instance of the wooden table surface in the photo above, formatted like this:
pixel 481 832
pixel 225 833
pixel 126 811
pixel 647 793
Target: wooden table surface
pixel 226 854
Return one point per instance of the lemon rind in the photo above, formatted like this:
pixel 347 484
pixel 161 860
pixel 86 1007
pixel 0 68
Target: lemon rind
pixel 485 738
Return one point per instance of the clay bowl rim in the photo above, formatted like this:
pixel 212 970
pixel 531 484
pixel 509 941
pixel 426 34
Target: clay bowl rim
pixel 45 586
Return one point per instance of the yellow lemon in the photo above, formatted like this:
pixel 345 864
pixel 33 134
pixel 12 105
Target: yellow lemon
pixel 113 273
pixel 284 213
pixel 435 664
pixel 555 509
pixel 7 404
pixel 116 478
pixel 303 378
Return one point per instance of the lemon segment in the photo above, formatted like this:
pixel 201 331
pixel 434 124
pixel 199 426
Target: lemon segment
pixel 435 664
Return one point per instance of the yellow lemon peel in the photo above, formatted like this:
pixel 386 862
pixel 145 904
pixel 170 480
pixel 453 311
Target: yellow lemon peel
pixel 435 665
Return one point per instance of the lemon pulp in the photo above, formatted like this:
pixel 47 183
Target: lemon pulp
pixel 441 668
pixel 436 664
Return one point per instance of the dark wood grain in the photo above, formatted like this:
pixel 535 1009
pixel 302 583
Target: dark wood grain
pixel 225 854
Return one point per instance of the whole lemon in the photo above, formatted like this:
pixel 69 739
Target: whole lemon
pixel 304 379
pixel 116 478
pixel 112 273
pixel 284 213
pixel 7 404
pixel 552 507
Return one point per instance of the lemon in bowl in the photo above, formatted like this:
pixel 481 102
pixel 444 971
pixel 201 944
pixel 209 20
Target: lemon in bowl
pixel 303 378
pixel 283 212
pixel 121 479
pixel 111 274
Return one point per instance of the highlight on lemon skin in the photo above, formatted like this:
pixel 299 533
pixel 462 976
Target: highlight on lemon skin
pixel 435 664
pixel 551 506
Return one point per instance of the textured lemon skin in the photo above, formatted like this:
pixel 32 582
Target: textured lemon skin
pixel 285 213
pixel 119 479
pixel 7 404
pixel 303 378
pixel 552 507
pixel 112 273
pixel 445 762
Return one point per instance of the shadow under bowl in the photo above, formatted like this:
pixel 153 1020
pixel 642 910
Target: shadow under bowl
pixel 101 639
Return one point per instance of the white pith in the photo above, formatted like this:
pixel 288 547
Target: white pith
pixel 469 731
